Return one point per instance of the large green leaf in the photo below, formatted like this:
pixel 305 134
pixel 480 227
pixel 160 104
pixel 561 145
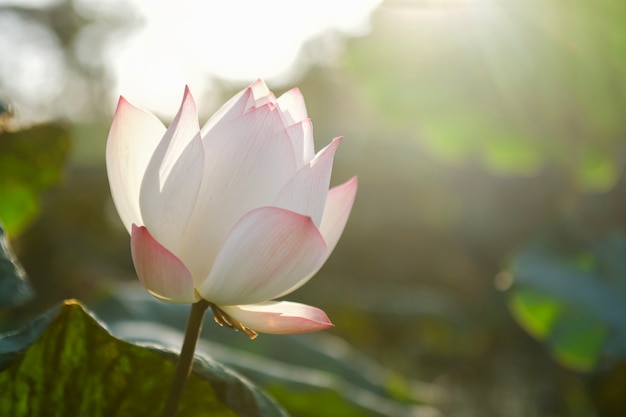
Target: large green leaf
pixel 573 299
pixel 67 364
pixel 14 287
pixel 30 161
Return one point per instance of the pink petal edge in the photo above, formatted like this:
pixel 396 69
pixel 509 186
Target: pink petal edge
pixel 160 271
pixel 280 317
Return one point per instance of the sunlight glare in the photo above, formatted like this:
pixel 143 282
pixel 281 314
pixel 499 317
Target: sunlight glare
pixel 191 42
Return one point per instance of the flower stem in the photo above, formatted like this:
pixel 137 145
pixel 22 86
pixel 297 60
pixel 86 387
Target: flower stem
pixel 185 360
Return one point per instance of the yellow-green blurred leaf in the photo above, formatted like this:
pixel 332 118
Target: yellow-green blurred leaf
pixel 574 337
pixel 512 156
pixel 598 172
pixel 573 300
pixel 534 311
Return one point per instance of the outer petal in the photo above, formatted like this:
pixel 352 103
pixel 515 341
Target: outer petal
pixel 268 251
pixel 133 136
pixel 172 179
pixel 247 162
pixel 292 105
pixel 336 212
pixel 279 317
pixel 162 273
pixel 306 192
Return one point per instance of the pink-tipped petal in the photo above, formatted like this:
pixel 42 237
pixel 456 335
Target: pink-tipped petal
pixel 133 136
pixel 268 251
pixel 279 317
pixel 173 176
pixel 292 105
pixel 306 192
pixel 159 270
pixel 261 95
pixel 247 161
pixel 336 212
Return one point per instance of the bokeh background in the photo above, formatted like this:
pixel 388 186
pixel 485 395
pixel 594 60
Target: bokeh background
pixel 483 269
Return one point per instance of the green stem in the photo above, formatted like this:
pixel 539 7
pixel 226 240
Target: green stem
pixel 185 360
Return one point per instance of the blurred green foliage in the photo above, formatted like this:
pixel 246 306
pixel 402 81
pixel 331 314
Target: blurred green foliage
pixel 31 160
pixel 516 85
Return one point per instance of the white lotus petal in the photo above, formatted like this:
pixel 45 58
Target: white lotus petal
pixel 133 136
pixel 173 176
pixel 267 252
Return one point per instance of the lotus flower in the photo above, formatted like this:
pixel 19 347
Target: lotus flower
pixel 238 212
